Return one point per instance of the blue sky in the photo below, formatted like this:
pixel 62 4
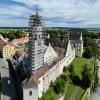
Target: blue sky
pixel 57 13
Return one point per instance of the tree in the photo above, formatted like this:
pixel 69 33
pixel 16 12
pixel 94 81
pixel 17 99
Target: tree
pixel 72 72
pixel 96 80
pixel 59 86
pixel 88 53
pixel 86 76
pixel 64 69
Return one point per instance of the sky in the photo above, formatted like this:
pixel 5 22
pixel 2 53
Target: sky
pixel 55 13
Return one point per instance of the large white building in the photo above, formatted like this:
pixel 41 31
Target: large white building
pixel 47 60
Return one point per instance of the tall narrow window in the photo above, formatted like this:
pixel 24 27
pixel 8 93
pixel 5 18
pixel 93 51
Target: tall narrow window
pixel 39 36
pixel 30 93
pixel 35 37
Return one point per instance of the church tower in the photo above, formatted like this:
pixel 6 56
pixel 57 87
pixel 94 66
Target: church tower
pixel 36 51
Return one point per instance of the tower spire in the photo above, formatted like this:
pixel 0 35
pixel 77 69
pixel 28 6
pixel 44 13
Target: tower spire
pixel 37 10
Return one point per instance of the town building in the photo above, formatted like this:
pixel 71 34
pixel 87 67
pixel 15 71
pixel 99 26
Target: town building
pixel 20 43
pixel 47 60
pixel 7 50
pixel 98 43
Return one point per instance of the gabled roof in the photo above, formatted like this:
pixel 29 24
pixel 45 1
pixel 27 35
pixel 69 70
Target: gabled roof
pixel 19 40
pixel 33 79
pixel 57 43
pixel 20 53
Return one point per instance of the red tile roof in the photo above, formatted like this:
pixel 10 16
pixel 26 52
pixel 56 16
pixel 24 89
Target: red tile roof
pixel 2 42
pixel 98 56
pixel 19 40
pixel 20 53
pixel 98 42
pixel 33 80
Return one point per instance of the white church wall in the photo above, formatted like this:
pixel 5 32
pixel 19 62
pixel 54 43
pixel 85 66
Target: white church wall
pixel 40 86
pixel 54 72
pixel 30 93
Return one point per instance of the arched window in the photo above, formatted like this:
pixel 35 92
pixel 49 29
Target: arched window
pixel 30 93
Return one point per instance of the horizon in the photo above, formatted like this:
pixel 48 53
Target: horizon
pixel 64 13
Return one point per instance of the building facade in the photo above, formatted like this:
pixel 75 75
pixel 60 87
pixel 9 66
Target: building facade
pixel 77 41
pixel 47 61
pixel 36 50
pixel 8 51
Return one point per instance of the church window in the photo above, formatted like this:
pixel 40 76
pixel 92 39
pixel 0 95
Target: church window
pixel 30 93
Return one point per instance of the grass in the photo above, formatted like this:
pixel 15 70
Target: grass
pixel 78 64
pixel 70 90
pixel 49 94
pixel 79 94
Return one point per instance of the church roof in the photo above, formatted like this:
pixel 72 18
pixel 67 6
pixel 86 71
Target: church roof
pixel 33 80
pixel 57 43
pixel 74 36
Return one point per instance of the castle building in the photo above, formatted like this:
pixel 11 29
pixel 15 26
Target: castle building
pixel 77 41
pixel 47 60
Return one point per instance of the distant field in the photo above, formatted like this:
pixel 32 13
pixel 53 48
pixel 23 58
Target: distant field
pixel 5 29
pixel 94 31
pixel 11 29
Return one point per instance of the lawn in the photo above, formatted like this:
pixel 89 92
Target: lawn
pixel 69 92
pixel 78 64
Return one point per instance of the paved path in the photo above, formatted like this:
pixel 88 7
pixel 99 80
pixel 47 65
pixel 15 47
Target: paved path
pixel 95 95
pixel 74 93
pixel 62 97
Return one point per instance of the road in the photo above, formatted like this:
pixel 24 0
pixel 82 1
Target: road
pixel 95 95
pixel 74 93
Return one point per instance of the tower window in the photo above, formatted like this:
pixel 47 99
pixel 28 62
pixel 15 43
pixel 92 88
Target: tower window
pixel 30 93
pixel 35 37
pixel 39 36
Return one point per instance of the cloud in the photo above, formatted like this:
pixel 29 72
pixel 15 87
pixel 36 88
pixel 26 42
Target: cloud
pixel 75 13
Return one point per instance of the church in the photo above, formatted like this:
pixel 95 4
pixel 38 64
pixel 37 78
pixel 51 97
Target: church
pixel 47 60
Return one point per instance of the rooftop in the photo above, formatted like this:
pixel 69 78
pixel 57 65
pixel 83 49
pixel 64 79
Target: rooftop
pixel 33 79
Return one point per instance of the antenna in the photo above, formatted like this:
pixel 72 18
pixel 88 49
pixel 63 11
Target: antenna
pixel 37 10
